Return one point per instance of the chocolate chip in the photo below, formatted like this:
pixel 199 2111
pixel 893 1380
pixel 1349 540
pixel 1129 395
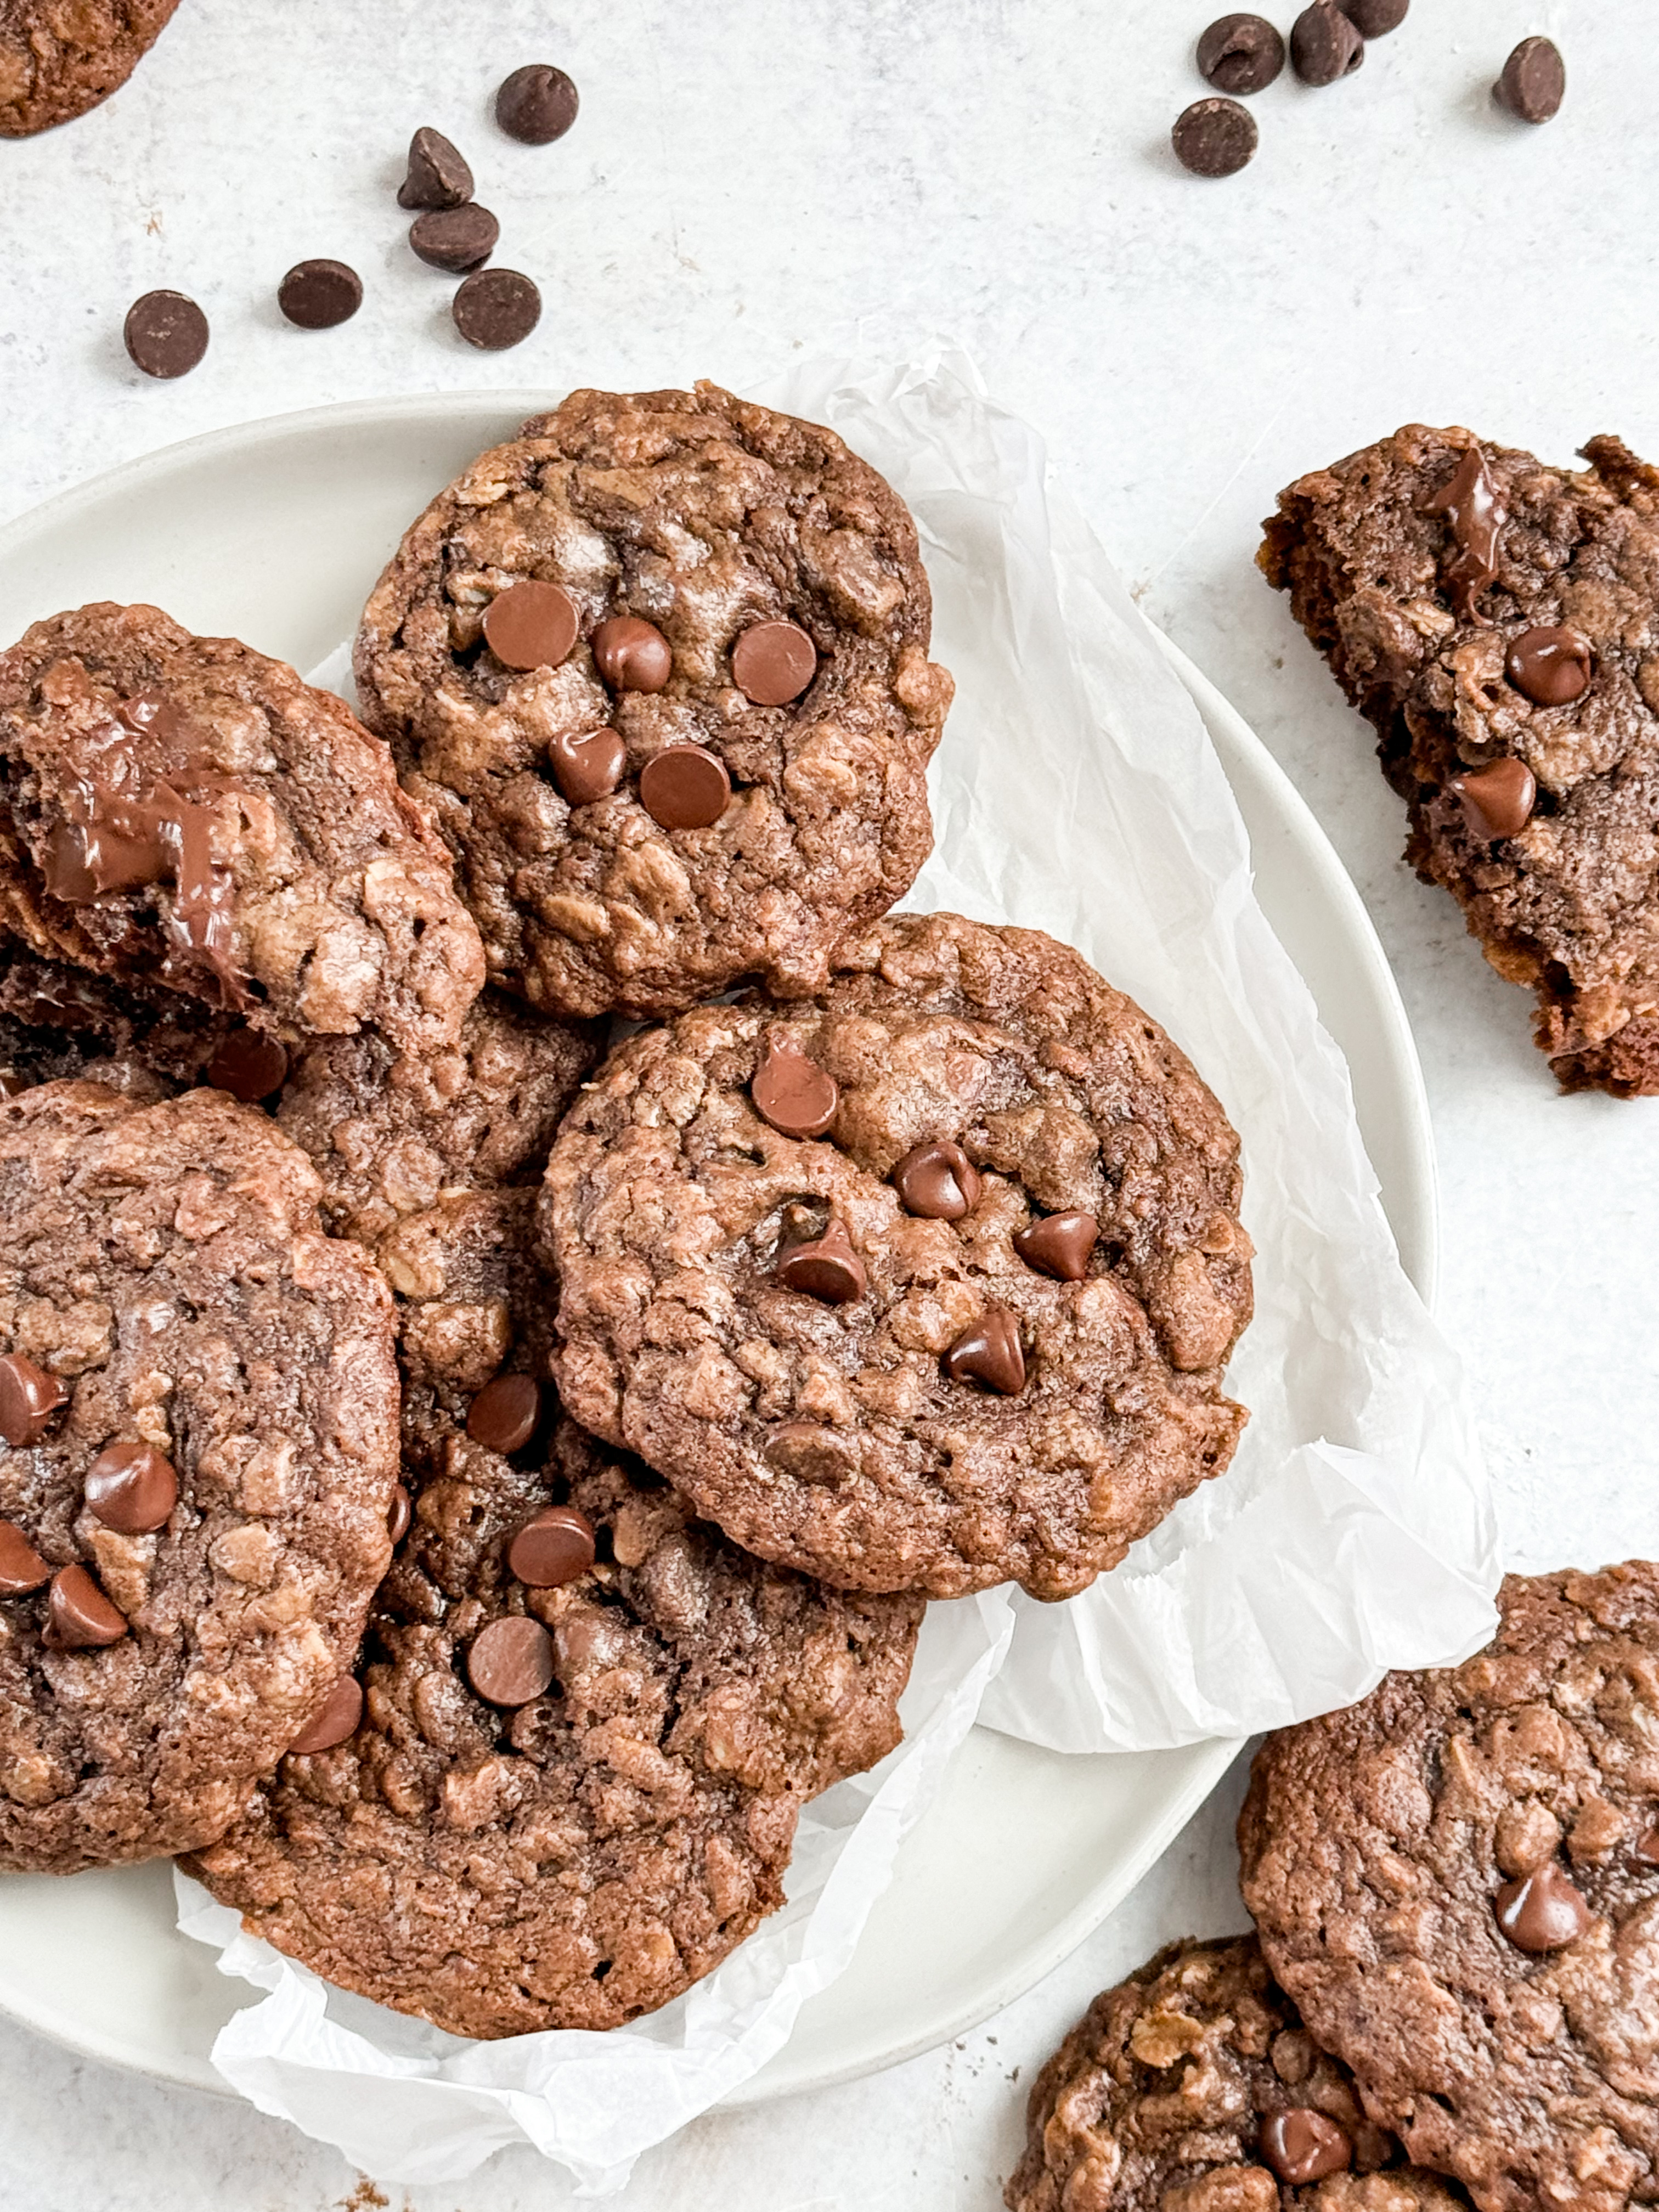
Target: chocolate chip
pixel 1542 1912
pixel 511 1662
pixel 773 662
pixel 1214 137
pixel 1534 82
pixel 249 1065
pixel 586 768
pixel 497 308
pixel 1324 43
pixel 132 1487
pixel 80 1618
pixel 938 1181
pixel 536 103
pixel 1550 665
pixel 827 1268
pixel 1474 506
pixel 502 1417
pixel 632 655
pixel 1302 2146
pixel 334 1720
pixel 1240 53
pixel 553 1549
pixel 1061 1245
pixel 989 1353
pixel 1375 18
pixel 454 238
pixel 29 1399
pixel 22 1567
pixel 399 1515
pixel 793 1093
pixel 165 334
pixel 318 295
pixel 438 176
pixel 1498 800
pixel 684 787
pixel 531 625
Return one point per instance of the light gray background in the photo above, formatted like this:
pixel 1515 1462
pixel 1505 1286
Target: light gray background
pixel 746 179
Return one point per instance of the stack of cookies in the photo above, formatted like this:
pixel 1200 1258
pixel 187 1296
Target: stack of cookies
pixel 521 1275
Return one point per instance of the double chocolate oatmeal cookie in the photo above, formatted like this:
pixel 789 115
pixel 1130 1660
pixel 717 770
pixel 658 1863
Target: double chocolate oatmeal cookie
pixel 1193 2086
pixel 198 1444
pixel 1458 1882
pixel 59 58
pixel 1498 622
pixel 926 1284
pixel 660 667
pixel 182 809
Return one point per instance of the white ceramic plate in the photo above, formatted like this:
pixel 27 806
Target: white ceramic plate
pixel 275 532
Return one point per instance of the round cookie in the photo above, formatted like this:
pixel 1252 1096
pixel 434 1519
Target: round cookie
pixel 926 1284
pixel 198 1443
pixel 59 58
pixel 1458 1882
pixel 660 667
pixel 578 1844
pixel 182 810
pixel 1193 2086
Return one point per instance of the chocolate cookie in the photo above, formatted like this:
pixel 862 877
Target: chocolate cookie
pixel 1498 622
pixel 1458 1882
pixel 588 1723
pixel 181 810
pixel 58 1023
pixel 926 1284
pixel 59 58
pixel 1194 2087
pixel 660 667
pixel 199 1408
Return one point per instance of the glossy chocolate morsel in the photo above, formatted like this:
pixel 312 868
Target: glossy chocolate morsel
pixel 22 1567
pixel 631 654
pixel 334 1720
pixel 937 1182
pixel 587 769
pixel 132 1487
pixel 531 624
pixel 503 1416
pixel 80 1618
pixel 988 1352
pixel 1550 665
pixel 1498 800
pixel 685 787
pixel 826 1268
pixel 773 662
pixel 399 1515
pixel 554 1548
pixel 1302 2146
pixel 248 1064
pixel 511 1662
pixel 29 1399
pixel 1061 1244
pixel 1473 507
pixel 1542 1912
pixel 793 1093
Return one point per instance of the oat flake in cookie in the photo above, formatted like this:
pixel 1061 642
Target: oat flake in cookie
pixel 182 809
pixel 1193 2086
pixel 926 1285
pixel 1458 1882
pixel 660 667
pixel 59 58
pixel 198 1443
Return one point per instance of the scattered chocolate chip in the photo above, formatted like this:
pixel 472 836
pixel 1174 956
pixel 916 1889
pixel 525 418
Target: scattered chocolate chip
pixel 1214 137
pixel 684 787
pixel 79 1617
pixel 399 1515
pixel 1474 508
pixel 511 1662
pixel 531 625
pixel 1498 800
pixel 631 654
pixel 438 175
pixel 454 238
pixel 22 1567
pixel 29 1399
pixel 773 662
pixel 1324 43
pixel 587 769
pixel 132 1487
pixel 536 103
pixel 334 1720
pixel 249 1065
pixel 318 295
pixel 988 1352
pixel 827 1268
pixel 1061 1244
pixel 1302 2146
pixel 1542 1912
pixel 502 1417
pixel 165 334
pixel 495 308
pixel 1552 666
pixel 793 1093
pixel 1375 18
pixel 1240 53
pixel 1534 82
pixel 553 1549
pixel 938 1181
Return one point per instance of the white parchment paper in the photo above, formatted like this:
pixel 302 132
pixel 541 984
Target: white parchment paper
pixel 1076 791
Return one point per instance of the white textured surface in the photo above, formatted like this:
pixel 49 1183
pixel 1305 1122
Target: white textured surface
pixel 745 179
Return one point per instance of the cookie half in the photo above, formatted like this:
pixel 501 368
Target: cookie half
pixel 59 58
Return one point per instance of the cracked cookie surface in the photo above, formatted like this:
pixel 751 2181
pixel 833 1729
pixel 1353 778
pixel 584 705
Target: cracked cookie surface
pixel 59 58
